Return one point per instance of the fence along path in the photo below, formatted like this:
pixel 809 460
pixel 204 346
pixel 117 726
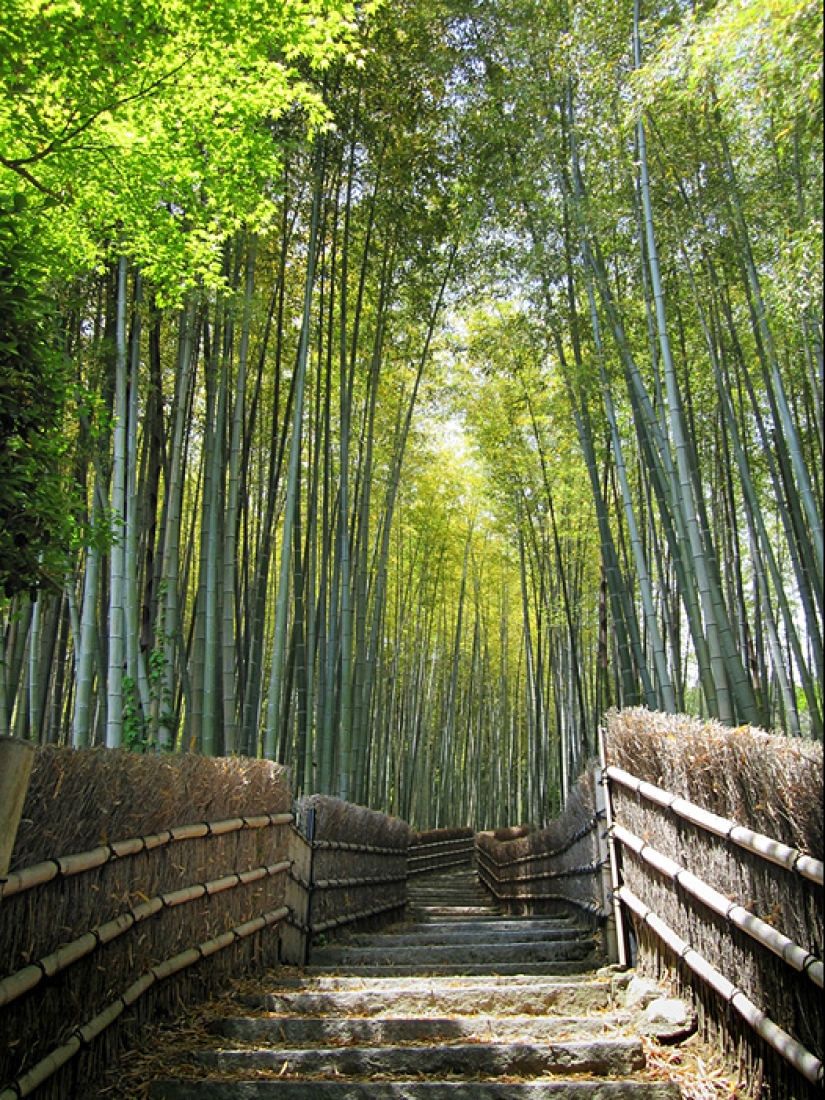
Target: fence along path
pixel 267 891
pixel 753 981
pixel 457 1001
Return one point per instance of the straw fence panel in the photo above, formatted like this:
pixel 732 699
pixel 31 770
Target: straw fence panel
pixel 439 849
pixel 560 866
pixel 785 899
pixel 358 863
pixel 58 915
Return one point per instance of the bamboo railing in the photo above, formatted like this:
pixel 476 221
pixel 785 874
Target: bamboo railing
pixel 435 851
pixel 104 957
pixel 370 881
pixel 690 919
pixel 565 866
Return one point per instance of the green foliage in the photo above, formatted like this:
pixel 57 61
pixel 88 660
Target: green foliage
pixel 152 126
pixel 34 521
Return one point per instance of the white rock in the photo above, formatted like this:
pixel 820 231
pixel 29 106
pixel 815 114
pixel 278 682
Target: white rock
pixel 667 1010
pixel 640 992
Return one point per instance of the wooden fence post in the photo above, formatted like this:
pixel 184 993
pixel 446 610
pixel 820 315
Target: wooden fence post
pixel 16 759
pixel 295 932
pixel 614 927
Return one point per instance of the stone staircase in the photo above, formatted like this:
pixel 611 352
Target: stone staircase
pixel 457 1003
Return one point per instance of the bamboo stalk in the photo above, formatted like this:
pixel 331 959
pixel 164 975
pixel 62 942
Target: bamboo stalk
pixel 349 918
pixel 345 846
pixel 437 865
pixel 342 883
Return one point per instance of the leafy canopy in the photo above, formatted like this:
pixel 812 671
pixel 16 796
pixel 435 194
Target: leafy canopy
pixel 151 125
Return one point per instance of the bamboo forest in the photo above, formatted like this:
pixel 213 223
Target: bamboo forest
pixel 391 388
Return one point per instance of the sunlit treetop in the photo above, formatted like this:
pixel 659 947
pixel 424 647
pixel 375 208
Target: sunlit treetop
pixel 150 126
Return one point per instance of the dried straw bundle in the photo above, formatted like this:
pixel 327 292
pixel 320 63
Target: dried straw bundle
pixel 767 782
pixel 78 799
pixel 513 832
pixel 336 819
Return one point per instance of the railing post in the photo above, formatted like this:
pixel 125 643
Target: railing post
pixel 296 932
pixel 16 758
pixel 614 926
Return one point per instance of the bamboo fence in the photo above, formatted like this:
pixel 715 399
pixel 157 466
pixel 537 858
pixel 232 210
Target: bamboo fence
pixel 440 849
pixel 555 869
pixel 96 942
pixel 733 915
pixel 351 867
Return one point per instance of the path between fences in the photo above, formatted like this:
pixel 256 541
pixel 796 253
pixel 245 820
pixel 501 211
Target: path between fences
pixel 456 1002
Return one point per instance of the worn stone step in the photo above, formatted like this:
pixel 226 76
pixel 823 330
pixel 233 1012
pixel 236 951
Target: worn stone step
pixel 464 901
pixel 480 923
pixel 432 983
pixel 460 934
pixel 548 969
pixel 439 998
pixel 441 910
pixel 491 953
pixel 412 1090
pixel 386 1031
pixel 455 889
pixel 599 1057
pixel 501 949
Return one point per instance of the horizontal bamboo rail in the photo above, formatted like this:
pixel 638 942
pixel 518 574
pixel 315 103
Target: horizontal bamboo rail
pixel 757 843
pixel 759 930
pixel 351 883
pixel 47 1067
pixel 428 845
pixel 539 876
pixel 794 1053
pixel 350 918
pixel 22 981
pixel 63 866
pixel 436 855
pixel 345 846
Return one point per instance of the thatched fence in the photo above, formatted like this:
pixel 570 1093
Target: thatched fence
pixel 732 913
pixel 350 865
pixel 128 873
pixel 556 868
pixel 439 850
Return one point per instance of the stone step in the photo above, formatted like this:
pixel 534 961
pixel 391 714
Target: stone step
pixel 283 1089
pixel 434 998
pixel 458 911
pixel 462 933
pixel 547 969
pixel 434 984
pixel 597 1057
pixel 486 921
pixel 386 1031
pixel 444 898
pixel 434 888
pixel 491 953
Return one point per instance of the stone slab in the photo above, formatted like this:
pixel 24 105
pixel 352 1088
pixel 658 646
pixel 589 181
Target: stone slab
pixel 411 1090
pixel 601 1057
